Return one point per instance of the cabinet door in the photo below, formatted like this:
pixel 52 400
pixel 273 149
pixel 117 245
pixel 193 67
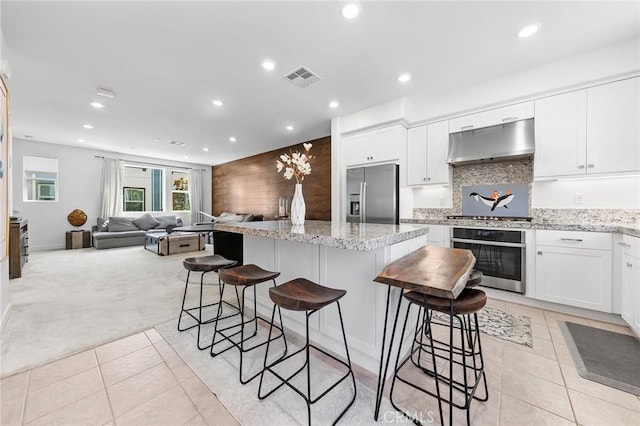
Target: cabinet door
pixel 417 156
pixel 613 128
pixel 437 150
pixel 357 149
pixel 561 141
pixel 576 277
pixel 630 289
pixel 385 144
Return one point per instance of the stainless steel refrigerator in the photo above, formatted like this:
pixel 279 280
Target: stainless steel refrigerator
pixel 372 194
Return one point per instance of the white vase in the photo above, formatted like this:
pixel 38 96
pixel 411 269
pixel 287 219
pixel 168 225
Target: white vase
pixel 298 208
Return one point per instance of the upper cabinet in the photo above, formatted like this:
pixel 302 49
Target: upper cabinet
pixel 375 146
pixel 592 131
pixel 492 117
pixel 561 135
pixel 613 132
pixel 427 148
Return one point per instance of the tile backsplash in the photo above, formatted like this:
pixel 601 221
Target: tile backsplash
pixel 509 172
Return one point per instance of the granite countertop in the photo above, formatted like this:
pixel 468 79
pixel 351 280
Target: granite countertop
pixel 632 229
pixel 351 236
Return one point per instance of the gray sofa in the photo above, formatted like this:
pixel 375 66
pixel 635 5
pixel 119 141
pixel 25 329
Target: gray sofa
pixel 120 231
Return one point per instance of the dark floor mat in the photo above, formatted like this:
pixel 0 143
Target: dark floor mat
pixel 603 356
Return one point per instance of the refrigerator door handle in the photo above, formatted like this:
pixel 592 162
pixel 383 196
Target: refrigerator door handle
pixel 363 202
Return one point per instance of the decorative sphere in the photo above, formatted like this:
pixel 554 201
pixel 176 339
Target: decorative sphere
pixel 77 217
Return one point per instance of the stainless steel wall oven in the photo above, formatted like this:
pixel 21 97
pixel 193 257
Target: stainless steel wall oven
pixel 500 255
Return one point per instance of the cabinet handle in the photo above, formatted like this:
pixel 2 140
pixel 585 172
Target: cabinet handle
pixel 539 252
pixel 629 265
pixel 428 178
pixel 575 240
pixel 590 166
pixel 504 120
pixel 624 245
pixel 424 179
pixel 581 166
pixel 467 127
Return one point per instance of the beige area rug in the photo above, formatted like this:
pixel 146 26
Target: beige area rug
pixel 68 301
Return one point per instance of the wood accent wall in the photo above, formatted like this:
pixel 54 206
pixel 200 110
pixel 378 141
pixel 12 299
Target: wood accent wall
pixel 253 185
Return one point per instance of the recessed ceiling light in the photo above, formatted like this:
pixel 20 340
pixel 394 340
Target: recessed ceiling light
pixel 268 65
pixel 81 140
pixel 217 102
pixel 232 139
pixel 403 78
pixel 186 156
pixel 334 104
pixel 205 149
pixel 156 139
pixel 87 126
pixel 350 11
pixel 97 105
pixel 528 31
pixel 289 128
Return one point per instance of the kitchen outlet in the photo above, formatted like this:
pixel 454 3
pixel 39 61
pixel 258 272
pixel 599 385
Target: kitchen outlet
pixel 578 198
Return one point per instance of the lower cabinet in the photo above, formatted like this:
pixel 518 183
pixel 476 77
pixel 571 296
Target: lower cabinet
pixel 630 306
pixel 574 268
pixel 439 236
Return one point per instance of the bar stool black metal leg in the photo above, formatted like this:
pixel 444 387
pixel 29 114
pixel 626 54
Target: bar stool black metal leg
pixel 184 298
pixel 381 376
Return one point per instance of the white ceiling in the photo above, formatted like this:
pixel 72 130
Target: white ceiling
pixel 167 61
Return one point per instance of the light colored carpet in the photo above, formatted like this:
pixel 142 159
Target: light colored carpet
pixel 68 301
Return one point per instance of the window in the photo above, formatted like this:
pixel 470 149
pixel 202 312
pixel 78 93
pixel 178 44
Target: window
pixel 180 191
pixel 143 189
pixel 133 199
pixel 40 178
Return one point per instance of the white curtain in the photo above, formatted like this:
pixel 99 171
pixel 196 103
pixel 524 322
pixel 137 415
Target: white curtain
pixel 195 182
pixel 111 187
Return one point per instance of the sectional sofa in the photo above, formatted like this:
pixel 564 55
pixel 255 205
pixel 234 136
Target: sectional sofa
pixel 120 231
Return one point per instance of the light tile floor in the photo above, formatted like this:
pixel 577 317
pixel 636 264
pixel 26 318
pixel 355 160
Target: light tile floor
pixel 140 380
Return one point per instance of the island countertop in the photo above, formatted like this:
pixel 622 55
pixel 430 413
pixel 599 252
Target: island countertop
pixel 351 236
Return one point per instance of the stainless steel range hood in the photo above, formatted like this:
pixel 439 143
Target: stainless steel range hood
pixel 496 143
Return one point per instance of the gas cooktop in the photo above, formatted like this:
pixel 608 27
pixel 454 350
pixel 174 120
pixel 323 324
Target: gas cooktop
pixel 503 218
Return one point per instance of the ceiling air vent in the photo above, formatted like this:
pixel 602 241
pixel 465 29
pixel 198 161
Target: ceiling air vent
pixel 177 143
pixel 302 77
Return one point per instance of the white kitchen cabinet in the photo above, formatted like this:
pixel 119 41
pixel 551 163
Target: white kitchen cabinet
pixel 374 146
pixel 561 135
pixel 427 148
pixel 574 268
pixel 592 131
pixel 630 303
pixel 613 128
pixel 417 156
pixel 439 236
pixel 492 117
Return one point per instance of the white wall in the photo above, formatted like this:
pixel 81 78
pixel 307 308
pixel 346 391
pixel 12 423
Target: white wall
pixel 5 296
pixel 79 188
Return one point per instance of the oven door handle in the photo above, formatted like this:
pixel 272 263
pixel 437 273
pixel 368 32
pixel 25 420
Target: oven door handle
pixel 486 243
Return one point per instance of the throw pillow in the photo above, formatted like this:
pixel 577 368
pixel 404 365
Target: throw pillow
pixel 166 220
pixel 145 222
pixel 103 225
pixel 229 218
pixel 120 224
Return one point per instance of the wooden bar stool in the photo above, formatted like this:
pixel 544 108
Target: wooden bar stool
pixel 204 265
pixel 467 357
pixel 245 276
pixel 304 295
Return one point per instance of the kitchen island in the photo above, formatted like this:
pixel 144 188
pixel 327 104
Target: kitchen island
pixel 340 255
